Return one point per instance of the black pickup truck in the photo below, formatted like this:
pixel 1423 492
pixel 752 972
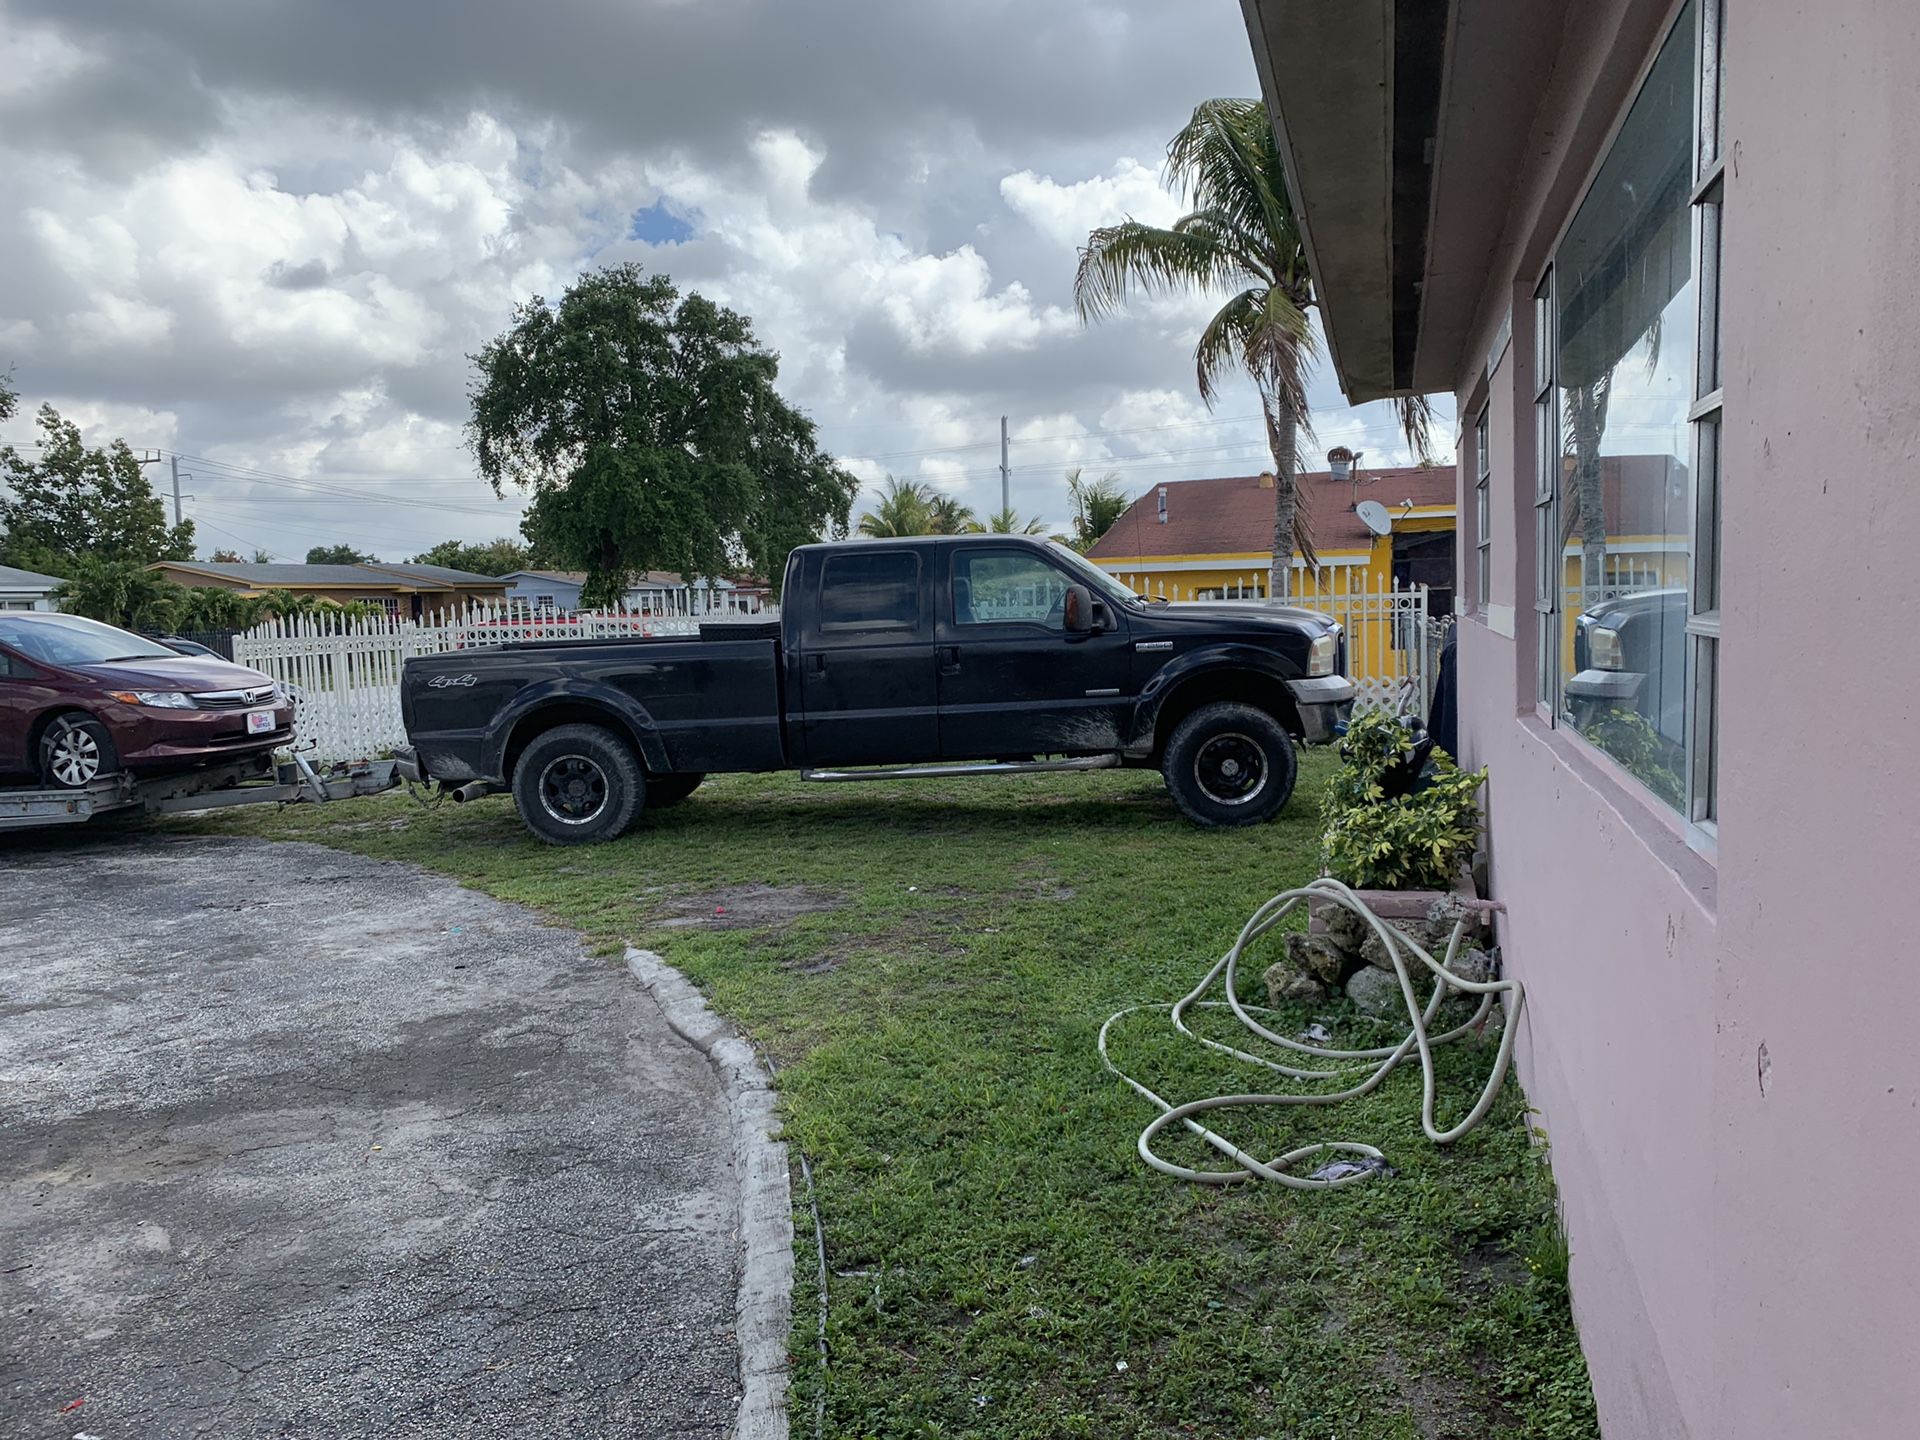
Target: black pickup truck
pixel 937 655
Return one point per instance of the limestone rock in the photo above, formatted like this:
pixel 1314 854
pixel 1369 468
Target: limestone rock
pixel 1475 966
pixel 1376 992
pixel 1346 929
pixel 1286 985
pixel 1319 956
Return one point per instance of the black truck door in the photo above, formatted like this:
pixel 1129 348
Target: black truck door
pixel 867 686
pixel 1013 682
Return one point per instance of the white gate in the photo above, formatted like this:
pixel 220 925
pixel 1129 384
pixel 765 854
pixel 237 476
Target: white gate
pixel 344 672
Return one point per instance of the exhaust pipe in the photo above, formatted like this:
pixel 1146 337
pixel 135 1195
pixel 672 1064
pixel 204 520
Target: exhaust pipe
pixel 473 790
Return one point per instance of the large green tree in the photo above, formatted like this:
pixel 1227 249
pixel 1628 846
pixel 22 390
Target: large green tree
pixel 647 426
pixel 338 555
pixel 1240 237
pixel 69 501
pixel 495 557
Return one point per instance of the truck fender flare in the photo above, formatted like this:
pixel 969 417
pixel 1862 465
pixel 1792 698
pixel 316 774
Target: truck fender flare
pixel 1209 661
pixel 622 711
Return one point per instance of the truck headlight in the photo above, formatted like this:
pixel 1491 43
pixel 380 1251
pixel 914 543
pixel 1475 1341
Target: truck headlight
pixel 1320 654
pixel 154 699
pixel 1604 651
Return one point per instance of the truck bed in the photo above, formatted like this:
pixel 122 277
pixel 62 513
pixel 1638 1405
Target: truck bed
pixel 706 704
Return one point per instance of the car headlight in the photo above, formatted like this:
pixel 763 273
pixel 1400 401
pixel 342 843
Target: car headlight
pixel 1320 654
pixel 1604 651
pixel 154 699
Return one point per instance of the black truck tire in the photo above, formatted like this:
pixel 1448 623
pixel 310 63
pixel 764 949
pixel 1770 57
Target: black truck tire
pixel 75 751
pixel 665 790
pixel 578 783
pixel 1229 764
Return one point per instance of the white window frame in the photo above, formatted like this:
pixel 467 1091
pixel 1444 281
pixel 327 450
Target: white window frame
pixel 1482 515
pixel 1700 807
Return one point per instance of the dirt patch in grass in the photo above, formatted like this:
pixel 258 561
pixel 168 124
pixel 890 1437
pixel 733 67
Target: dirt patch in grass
pixel 742 907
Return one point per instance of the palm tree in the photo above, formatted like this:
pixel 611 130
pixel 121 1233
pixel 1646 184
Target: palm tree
pixel 119 592
pixel 947 516
pixel 1007 522
pixel 1241 235
pixel 1097 506
pixel 905 508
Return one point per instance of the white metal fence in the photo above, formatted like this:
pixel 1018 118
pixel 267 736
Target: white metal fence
pixel 344 673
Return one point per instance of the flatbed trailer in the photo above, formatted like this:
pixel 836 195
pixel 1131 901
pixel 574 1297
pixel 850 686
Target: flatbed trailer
pixel 259 781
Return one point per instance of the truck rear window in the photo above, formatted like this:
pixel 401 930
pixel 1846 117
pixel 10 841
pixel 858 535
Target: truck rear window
pixel 879 590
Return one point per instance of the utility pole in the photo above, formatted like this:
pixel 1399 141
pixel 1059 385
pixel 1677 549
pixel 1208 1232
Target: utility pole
pixel 1006 486
pixel 176 492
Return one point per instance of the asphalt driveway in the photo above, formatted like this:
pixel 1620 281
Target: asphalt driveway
pixel 294 1143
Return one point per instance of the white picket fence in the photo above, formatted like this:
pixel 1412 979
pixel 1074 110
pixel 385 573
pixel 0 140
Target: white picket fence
pixel 344 672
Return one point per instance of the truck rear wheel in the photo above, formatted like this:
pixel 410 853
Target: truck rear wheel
pixel 578 783
pixel 1229 764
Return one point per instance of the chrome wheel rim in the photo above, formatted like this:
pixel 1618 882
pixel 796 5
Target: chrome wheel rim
pixel 1230 769
pixel 573 790
pixel 73 757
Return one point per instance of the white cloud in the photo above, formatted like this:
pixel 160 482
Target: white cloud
pixel 1066 214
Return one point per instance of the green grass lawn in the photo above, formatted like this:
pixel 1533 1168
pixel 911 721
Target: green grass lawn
pixel 929 964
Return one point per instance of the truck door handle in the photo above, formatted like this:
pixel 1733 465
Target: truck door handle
pixel 817 663
pixel 949 659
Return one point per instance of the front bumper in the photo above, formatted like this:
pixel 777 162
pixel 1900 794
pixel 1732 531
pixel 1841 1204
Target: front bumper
pixel 1325 705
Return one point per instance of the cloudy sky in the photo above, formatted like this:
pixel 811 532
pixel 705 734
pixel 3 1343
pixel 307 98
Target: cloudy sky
pixel 266 237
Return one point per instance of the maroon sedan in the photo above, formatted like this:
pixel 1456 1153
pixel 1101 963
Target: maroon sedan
pixel 79 700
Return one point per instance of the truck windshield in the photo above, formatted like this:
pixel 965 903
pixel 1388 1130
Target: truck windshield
pixel 1095 579
pixel 71 640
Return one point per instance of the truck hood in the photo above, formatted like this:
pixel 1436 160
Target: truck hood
pixel 194 674
pixel 1253 614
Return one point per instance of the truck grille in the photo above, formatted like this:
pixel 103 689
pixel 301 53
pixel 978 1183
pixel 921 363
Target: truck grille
pixel 234 699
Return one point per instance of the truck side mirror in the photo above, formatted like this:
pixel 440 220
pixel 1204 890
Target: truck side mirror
pixel 1077 614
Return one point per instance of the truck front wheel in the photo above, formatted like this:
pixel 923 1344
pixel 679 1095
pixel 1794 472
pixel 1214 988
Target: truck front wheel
pixel 578 783
pixel 1229 764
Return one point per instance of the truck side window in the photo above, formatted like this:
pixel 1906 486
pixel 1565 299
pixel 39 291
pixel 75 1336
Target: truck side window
pixel 1007 586
pixel 875 591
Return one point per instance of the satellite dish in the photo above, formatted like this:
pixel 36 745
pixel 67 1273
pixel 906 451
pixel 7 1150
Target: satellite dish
pixel 1374 516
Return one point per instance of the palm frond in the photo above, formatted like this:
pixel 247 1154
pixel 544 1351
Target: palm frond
pixel 1152 259
pixel 1415 414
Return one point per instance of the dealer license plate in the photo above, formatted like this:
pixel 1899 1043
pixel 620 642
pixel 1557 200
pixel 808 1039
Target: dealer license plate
pixel 260 722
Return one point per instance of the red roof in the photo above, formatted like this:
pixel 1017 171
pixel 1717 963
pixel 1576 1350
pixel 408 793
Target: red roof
pixel 1233 514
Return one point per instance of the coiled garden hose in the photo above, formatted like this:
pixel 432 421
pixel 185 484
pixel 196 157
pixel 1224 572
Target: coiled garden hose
pixel 1381 1061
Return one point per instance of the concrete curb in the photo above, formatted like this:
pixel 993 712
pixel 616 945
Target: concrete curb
pixel 764 1309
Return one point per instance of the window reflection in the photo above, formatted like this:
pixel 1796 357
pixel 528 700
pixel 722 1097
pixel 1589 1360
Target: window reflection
pixel 1625 296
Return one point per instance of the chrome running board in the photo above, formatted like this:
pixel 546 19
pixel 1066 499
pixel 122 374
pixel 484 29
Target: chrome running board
pixel 945 772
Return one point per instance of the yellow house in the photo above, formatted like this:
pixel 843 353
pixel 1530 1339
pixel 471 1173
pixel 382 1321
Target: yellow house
pixel 1376 533
pixel 1213 539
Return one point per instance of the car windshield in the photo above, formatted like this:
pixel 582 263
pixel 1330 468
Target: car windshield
pixel 71 640
pixel 1096 579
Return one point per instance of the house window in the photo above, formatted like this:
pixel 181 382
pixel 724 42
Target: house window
pixel 1482 519
pixel 543 604
pixel 1626 417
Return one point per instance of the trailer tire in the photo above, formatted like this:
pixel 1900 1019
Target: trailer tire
pixel 75 751
pixel 1229 764
pixel 665 790
pixel 576 784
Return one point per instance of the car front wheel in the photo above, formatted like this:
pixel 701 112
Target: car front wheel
pixel 1229 764
pixel 578 783
pixel 75 751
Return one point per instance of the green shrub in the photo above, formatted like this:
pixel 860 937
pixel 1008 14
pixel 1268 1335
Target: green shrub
pixel 1642 751
pixel 1402 842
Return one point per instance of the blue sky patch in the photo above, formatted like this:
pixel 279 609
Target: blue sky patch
pixel 657 225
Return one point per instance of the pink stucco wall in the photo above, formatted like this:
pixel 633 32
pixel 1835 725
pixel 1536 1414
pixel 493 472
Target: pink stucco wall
pixel 1746 1262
